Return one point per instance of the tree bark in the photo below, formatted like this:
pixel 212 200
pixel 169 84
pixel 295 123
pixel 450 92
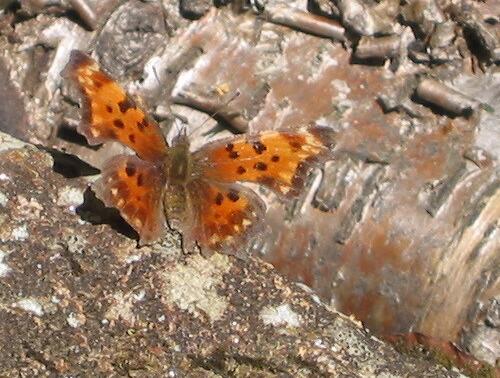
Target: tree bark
pixel 400 229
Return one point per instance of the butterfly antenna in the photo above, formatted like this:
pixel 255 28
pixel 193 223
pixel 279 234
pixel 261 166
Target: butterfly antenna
pixel 157 76
pixel 236 94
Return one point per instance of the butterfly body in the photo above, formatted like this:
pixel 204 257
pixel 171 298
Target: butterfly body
pixel 199 193
pixel 179 164
pixel 180 172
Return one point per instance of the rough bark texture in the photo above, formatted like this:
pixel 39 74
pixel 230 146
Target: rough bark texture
pixel 401 229
pixel 81 299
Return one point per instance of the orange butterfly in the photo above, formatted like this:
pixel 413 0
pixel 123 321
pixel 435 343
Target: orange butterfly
pixel 199 193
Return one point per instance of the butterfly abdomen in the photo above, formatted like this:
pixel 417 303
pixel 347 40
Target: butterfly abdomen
pixel 175 205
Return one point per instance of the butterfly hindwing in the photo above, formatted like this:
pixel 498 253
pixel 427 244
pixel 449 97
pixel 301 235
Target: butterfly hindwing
pixel 134 187
pixel 224 215
pixel 279 160
pixel 109 113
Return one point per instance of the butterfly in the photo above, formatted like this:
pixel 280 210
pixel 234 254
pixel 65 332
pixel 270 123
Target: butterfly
pixel 199 193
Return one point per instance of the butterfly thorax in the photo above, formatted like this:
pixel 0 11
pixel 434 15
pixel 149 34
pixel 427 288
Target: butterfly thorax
pixel 178 164
pixel 178 167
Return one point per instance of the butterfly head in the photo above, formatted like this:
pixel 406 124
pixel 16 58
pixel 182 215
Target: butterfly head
pixel 181 136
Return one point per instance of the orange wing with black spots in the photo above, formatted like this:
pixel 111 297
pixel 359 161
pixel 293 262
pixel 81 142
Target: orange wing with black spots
pixel 134 187
pixel 110 114
pixel 278 160
pixel 199 192
pixel 225 216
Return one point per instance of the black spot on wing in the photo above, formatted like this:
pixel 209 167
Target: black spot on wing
pixel 142 124
pixel 295 142
pixel 130 170
pixel 259 147
pixel 260 166
pixel 233 195
pixel 140 180
pixel 126 105
pixel 219 198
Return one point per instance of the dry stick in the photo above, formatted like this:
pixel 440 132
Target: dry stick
pixel 309 23
pixel 446 98
pixel 381 48
pixel 85 12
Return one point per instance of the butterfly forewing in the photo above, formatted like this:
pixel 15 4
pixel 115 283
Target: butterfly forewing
pixel 134 187
pixel 110 114
pixel 278 160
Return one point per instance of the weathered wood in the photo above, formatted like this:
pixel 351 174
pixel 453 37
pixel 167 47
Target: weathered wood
pixel 401 229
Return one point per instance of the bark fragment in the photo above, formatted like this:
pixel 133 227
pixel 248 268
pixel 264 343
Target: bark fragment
pixel 445 98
